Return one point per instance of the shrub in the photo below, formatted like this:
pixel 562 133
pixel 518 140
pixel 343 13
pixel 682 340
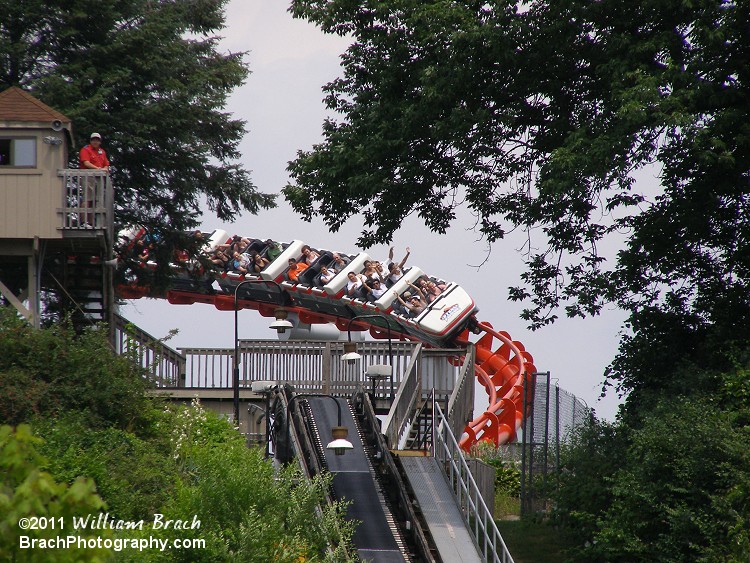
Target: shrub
pixel 26 491
pixel 50 371
pixel 134 476
pixel 507 474
pixel 248 511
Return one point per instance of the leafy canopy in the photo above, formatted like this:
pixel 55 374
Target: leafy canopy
pixel 675 489
pixel 539 119
pixel 149 77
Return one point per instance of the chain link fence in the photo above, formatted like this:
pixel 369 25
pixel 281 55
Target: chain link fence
pixel 553 414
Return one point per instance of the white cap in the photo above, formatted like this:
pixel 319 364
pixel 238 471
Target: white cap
pixel 95 136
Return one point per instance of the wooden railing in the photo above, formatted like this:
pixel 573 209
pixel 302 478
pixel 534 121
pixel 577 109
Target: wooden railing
pixel 404 403
pixel 440 368
pixel 311 367
pixel 430 369
pixel 461 403
pixel 165 365
pixel 87 201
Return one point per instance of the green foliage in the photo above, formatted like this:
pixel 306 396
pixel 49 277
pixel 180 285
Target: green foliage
pixel 587 464
pixel 183 462
pixel 195 426
pixel 50 371
pixel 538 118
pixel 535 542
pixel 135 476
pixel 149 77
pixel 684 492
pixel 507 473
pixel 678 489
pixel 247 510
pixel 27 491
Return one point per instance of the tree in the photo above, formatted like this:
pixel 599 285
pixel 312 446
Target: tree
pixel 680 492
pixel 148 76
pixel 538 118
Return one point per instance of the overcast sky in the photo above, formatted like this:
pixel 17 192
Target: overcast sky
pixel 282 104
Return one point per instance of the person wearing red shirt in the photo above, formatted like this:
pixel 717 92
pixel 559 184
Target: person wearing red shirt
pixel 93 157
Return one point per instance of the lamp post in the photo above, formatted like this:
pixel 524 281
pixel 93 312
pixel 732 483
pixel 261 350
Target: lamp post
pixel 339 444
pixel 350 348
pixel 280 324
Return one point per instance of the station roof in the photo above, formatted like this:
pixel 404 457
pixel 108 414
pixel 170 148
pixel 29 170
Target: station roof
pixel 17 105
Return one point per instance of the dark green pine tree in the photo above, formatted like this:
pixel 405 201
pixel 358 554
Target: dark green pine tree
pixel 148 76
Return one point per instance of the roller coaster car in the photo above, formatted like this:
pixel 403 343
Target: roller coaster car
pixel 442 323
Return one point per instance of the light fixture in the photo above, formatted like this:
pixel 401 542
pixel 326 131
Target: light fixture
pixel 263 386
pixel 350 353
pixel 281 323
pixel 340 444
pixel 378 370
pixel 339 433
pixel 374 372
pixel 377 373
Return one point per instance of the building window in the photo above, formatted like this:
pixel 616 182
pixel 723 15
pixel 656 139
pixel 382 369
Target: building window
pixel 18 152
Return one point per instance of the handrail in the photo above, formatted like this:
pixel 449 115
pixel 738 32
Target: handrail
pixel 87 201
pixel 421 441
pixel 403 404
pixel 166 365
pixel 478 517
pixel 310 366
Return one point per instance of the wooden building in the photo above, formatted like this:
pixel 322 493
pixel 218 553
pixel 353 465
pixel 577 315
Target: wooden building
pixel 56 222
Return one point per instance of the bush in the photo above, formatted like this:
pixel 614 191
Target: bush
pixel 677 488
pixel 50 371
pixel 134 476
pixel 247 510
pixel 102 431
pixel 507 474
pixel 684 491
pixel 26 491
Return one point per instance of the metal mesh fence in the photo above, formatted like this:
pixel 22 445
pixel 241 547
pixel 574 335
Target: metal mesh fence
pixel 553 415
pixel 555 411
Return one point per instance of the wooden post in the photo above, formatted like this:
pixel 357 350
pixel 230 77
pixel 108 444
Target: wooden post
pixel 327 369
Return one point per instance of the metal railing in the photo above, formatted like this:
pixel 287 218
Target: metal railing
pixel 87 200
pixel 165 365
pixel 478 517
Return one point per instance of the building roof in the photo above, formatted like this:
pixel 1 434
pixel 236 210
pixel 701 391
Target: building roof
pixel 17 105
